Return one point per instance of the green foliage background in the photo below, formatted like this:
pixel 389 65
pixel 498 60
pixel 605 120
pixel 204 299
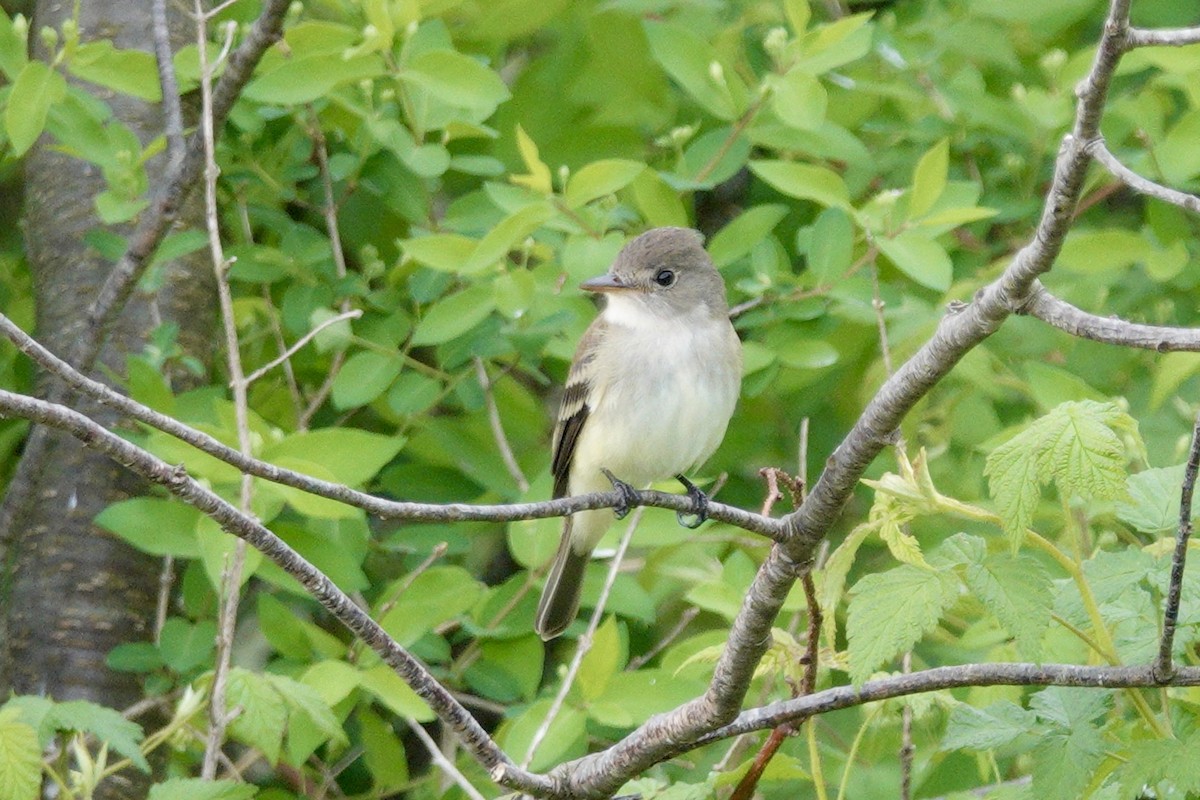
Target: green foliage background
pixel 488 156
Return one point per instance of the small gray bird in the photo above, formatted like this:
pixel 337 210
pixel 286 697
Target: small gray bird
pixel 650 392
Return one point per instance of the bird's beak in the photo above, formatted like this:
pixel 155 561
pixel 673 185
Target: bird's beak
pixel 604 283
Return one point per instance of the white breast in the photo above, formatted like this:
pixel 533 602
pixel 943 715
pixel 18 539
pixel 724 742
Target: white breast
pixel 662 396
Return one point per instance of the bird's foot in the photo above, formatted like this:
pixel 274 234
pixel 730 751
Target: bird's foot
pixel 699 511
pixel 627 496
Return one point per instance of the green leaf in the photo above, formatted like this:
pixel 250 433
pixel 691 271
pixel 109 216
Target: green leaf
pixel 566 738
pixel 353 456
pixel 1150 763
pixel 832 246
pixel 453 316
pixel 184 645
pixel 310 77
pixel 383 751
pixel 445 252
pixel 804 182
pixel 1065 763
pixel 508 670
pixel 456 80
pixel 693 64
pixel 201 789
pixel 122 735
pixel 391 690
pixel 133 72
pixel 20 757
pixel 929 179
pixel 217 548
pixel 134 657
pixel 12 48
pixel 799 99
pixel 599 179
pixel 1152 505
pixel 632 698
pixel 33 92
pixel 987 728
pixel 306 702
pixel 152 525
pixel 435 596
pixel 1017 589
pixel 891 611
pixel 602 660
pixel 509 234
pixel 365 376
pixel 919 257
pixel 1076 445
pixel 263 712
pixel 746 230
pixel 1094 251
pixel 807 354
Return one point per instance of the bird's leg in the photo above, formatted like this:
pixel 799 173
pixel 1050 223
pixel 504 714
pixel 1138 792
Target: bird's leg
pixel 627 496
pixel 699 505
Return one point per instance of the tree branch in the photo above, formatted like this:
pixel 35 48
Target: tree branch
pixel 1163 667
pixel 386 509
pixel 1109 330
pixel 179 483
pixel 1175 37
pixel 1101 153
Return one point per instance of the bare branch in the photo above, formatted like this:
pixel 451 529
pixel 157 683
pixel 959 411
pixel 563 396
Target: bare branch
pixel 1163 668
pixel 386 509
pixel 172 110
pixel 1171 37
pixel 443 763
pixel 1101 153
pixel 1110 330
pixel 303 340
pixel 319 586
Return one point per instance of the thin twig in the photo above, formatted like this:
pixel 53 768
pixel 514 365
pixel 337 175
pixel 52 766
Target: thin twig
pixel 506 453
pixel 1109 330
pixel 685 619
pixel 1102 154
pixel 172 109
pixel 303 340
pixel 1163 666
pixel 166 579
pixel 231 573
pixel 443 763
pixel 1174 37
pixel 584 644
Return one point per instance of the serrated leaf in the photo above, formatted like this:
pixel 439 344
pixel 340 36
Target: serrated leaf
pixel 996 725
pixel 929 179
pixel 122 735
pixel 1152 505
pixel 1017 589
pixel 600 178
pixel 263 712
pixel 1076 446
pixel 919 257
pixel 904 547
pixel 1065 763
pixel 833 577
pixel 1149 763
pixel 36 88
pixel 891 611
pixel 20 757
pixel 804 181
pixel 201 789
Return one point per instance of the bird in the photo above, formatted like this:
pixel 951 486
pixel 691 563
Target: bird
pixel 649 394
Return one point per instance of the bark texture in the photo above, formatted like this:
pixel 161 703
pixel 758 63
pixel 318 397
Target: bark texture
pixel 73 590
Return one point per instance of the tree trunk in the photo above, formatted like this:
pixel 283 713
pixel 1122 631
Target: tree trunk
pixel 75 591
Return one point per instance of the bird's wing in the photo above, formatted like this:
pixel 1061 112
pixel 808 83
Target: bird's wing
pixel 574 410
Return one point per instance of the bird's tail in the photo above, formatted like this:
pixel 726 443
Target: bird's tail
pixel 560 599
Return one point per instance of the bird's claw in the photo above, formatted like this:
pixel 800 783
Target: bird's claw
pixel 627 496
pixel 699 512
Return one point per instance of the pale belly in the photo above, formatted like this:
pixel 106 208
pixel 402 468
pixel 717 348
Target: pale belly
pixel 665 415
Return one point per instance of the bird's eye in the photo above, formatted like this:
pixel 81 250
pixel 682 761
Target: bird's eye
pixel 664 277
